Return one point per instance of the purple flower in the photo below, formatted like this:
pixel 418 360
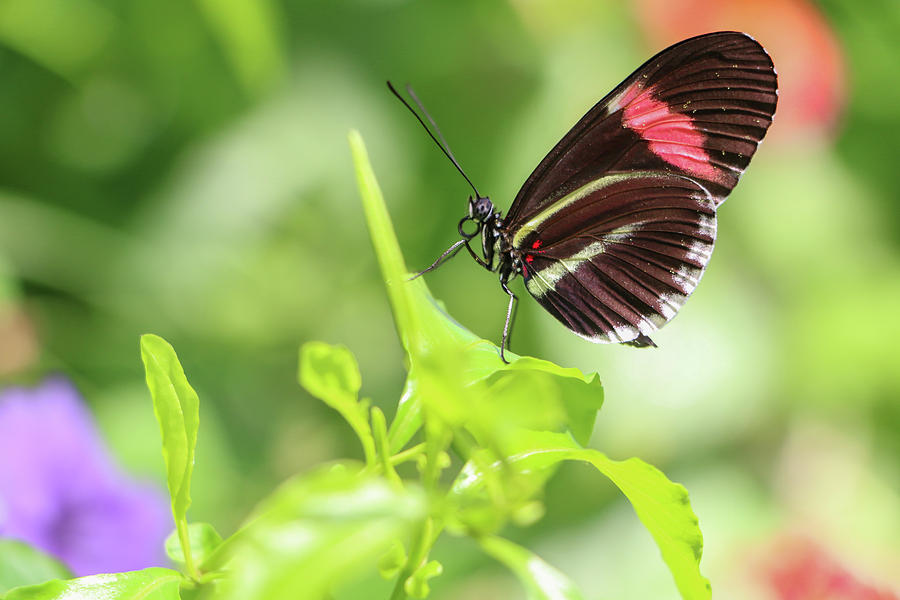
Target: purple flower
pixel 60 490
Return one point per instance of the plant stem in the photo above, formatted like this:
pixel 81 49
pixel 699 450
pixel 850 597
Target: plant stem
pixel 379 431
pixel 424 540
pixel 408 454
pixel 430 530
pixel 185 539
pixel 368 444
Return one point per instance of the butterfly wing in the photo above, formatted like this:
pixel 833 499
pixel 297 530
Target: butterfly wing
pixel 615 259
pixel 698 109
pixel 617 223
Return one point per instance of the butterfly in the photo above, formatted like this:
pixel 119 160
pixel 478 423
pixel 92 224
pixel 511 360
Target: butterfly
pixel 612 231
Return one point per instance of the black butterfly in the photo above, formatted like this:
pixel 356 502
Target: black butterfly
pixel 613 229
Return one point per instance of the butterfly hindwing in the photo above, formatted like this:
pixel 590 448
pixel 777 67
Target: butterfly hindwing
pixel 698 109
pixel 615 259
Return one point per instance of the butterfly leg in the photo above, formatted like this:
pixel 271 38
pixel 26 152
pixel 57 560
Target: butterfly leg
pixel 478 259
pixel 447 255
pixel 510 314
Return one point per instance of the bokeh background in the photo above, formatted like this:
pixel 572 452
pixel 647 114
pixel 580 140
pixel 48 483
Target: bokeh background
pixel 182 168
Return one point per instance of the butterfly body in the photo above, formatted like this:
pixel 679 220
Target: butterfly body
pixel 613 230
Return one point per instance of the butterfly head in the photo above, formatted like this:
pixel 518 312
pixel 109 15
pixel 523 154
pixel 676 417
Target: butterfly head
pixel 480 208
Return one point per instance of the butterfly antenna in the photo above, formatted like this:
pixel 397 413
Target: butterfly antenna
pixel 442 143
pixel 412 94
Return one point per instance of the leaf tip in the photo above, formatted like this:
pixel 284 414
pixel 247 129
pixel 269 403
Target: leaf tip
pixel 151 342
pixel 357 146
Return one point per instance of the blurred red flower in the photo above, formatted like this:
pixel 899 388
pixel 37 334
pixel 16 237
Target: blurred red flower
pixel 802 570
pixel 806 52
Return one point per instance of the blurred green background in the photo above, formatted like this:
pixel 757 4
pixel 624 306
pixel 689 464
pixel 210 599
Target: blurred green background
pixel 181 167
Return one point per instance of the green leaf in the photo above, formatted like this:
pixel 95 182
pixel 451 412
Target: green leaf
pixel 393 560
pixel 408 419
pixel 444 357
pixel 20 564
pixel 489 491
pixel 177 410
pixel 416 585
pixel 661 505
pixel 204 540
pixel 314 532
pixel 423 326
pixel 665 510
pixel 581 395
pixel 149 584
pixel 541 581
pixel 331 374
pixel 501 410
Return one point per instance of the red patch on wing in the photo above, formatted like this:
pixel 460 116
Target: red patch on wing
pixel 810 100
pixel 536 245
pixel 529 258
pixel 670 135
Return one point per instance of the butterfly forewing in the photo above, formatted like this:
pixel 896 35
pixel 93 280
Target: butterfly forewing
pixel 698 108
pixel 616 225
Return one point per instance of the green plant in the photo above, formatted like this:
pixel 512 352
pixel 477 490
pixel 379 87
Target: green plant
pixel 485 436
